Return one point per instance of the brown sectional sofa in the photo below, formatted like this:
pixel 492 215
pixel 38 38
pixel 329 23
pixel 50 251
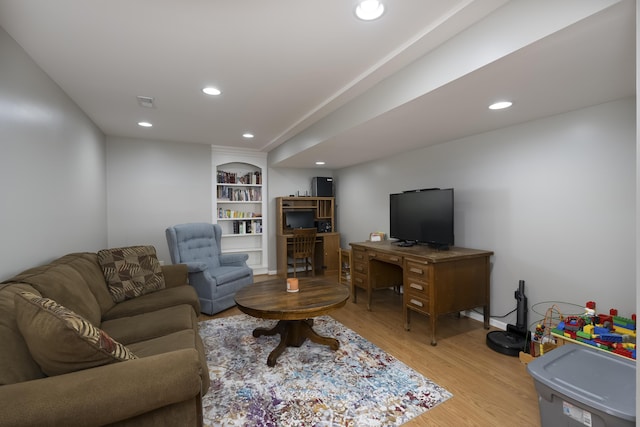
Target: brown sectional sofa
pixel 163 386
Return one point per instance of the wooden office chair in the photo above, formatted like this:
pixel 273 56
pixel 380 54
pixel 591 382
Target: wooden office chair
pixel 303 247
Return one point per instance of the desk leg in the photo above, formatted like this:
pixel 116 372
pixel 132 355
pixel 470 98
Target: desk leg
pixel 353 291
pixel 407 318
pixel 432 320
pixel 487 316
pixel 487 294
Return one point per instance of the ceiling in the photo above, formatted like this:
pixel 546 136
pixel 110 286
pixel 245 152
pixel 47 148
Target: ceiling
pixel 312 82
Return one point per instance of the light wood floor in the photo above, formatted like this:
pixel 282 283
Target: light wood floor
pixel 489 388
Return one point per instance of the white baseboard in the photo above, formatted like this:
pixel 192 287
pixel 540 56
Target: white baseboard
pixel 479 317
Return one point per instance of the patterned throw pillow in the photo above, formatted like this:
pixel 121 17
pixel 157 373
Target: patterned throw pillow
pixel 60 341
pixel 131 271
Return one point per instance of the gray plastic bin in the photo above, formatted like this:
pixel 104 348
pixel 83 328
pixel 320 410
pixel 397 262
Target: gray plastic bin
pixel 581 386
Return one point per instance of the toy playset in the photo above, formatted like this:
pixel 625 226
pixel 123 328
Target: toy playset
pixel 608 332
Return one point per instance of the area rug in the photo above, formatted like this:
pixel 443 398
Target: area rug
pixel 357 385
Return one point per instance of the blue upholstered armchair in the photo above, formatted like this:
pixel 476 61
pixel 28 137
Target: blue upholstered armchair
pixel 215 276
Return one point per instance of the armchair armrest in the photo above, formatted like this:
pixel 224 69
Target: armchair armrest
pixel 196 267
pixel 123 390
pixel 234 259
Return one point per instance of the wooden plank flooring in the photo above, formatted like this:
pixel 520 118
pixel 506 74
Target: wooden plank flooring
pixel 489 388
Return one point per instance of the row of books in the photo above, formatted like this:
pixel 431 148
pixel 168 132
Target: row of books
pixel 247 227
pixel 230 213
pixel 251 178
pixel 239 194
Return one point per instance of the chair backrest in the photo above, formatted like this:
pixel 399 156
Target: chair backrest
pixel 304 242
pixel 195 242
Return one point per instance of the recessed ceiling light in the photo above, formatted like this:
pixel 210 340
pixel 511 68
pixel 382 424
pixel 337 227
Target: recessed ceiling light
pixel 145 124
pixel 247 135
pixel 212 90
pixel 320 163
pixel 368 10
pixel 500 105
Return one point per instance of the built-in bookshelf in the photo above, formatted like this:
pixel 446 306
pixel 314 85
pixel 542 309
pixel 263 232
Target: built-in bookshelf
pixel 240 205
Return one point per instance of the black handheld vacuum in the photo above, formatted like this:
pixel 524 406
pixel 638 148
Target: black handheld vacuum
pixel 516 338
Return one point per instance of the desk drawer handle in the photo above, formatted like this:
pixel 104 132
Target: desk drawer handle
pixel 359 280
pixel 359 268
pixel 416 286
pixel 394 258
pixel 416 270
pixel 416 302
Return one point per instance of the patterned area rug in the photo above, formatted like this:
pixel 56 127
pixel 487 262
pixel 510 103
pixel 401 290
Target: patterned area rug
pixel 357 385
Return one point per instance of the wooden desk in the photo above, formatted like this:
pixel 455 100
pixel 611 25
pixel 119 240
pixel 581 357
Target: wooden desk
pixel 434 282
pixel 326 255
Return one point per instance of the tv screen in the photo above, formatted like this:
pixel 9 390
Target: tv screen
pixel 299 219
pixel 422 216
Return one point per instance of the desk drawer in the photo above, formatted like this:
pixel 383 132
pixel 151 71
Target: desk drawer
pixel 360 267
pixel 417 271
pixel 417 302
pixel 360 280
pixel 359 255
pixel 416 287
pixel 388 258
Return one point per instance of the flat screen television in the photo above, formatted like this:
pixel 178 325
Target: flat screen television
pixel 422 217
pixel 299 219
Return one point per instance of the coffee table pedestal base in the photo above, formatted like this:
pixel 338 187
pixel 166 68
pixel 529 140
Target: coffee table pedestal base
pixel 293 333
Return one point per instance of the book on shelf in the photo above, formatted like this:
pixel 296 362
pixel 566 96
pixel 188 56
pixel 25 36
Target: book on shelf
pixel 230 213
pixel 247 227
pixel 233 194
pixel 247 178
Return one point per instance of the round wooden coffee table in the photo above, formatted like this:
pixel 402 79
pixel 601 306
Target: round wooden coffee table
pixel 293 310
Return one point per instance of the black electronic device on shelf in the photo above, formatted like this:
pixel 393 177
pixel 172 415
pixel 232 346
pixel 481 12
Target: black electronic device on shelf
pixel 299 219
pixel 516 338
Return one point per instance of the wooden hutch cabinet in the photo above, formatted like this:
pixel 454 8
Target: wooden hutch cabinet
pixel 328 239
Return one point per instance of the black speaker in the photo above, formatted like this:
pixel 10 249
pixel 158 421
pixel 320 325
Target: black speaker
pixel 322 186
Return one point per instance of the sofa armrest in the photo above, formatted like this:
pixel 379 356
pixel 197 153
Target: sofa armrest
pixel 175 275
pixel 103 395
pixel 238 260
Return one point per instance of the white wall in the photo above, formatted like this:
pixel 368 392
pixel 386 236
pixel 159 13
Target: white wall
pixel 52 168
pixel 155 184
pixel 637 186
pixel 553 198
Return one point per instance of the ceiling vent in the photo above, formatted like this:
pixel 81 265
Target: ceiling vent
pixel 146 101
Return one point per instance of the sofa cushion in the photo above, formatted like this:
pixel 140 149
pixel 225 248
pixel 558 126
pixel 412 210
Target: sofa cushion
pixel 64 281
pixel 16 363
pixel 148 303
pixel 131 271
pixel 86 264
pixel 150 325
pixel 172 342
pixel 229 274
pixel 61 341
